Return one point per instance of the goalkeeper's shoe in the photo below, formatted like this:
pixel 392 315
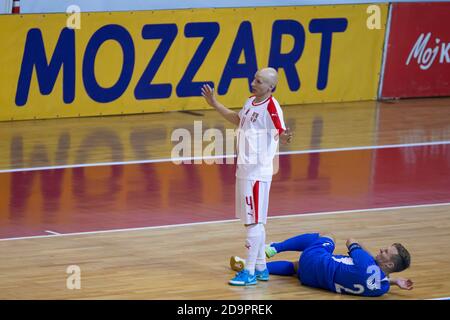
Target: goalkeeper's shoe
pixel 270 251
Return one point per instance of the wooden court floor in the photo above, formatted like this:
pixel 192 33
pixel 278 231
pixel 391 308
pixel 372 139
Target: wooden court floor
pixel 191 261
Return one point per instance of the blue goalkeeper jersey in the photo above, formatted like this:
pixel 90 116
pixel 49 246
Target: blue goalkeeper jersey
pixel 357 273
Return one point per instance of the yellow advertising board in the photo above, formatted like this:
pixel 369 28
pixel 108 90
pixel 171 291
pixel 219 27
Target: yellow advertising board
pixel 153 61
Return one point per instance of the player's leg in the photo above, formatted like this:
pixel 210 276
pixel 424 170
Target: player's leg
pixel 248 275
pixel 297 243
pixel 261 271
pixel 261 195
pixel 245 210
pixel 282 268
pixel 254 238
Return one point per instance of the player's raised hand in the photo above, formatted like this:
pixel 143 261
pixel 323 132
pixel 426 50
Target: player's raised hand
pixel 208 94
pixel 286 136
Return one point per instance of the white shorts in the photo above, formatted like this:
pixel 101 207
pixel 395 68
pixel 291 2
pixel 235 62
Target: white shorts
pixel 252 200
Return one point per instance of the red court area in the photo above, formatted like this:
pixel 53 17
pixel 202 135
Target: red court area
pixel 98 198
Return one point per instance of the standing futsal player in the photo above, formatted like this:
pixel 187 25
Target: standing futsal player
pixel 261 126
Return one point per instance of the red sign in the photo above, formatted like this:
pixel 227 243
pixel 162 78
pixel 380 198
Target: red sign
pixel 418 53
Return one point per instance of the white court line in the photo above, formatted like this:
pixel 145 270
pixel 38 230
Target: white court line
pixel 443 298
pixel 181 159
pixel 365 210
pixel 227 221
pixel 52 232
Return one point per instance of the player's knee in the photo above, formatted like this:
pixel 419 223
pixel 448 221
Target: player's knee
pixel 328 235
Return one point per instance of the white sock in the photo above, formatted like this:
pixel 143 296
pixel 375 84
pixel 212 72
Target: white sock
pixel 252 244
pixel 261 258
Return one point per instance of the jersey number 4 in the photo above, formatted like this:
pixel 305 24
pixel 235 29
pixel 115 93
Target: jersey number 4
pixel 249 202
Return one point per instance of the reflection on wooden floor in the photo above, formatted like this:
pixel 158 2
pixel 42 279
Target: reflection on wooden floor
pixel 191 262
pixel 72 200
pixel 40 143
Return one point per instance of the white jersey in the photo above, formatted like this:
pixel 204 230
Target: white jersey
pixel 257 138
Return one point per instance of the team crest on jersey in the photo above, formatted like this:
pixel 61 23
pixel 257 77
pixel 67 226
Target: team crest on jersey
pixel 254 117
